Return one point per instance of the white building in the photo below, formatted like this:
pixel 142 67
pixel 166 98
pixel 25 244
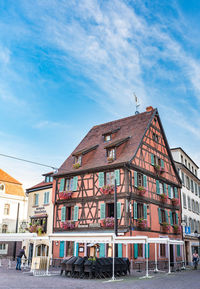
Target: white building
pixel 190 200
pixel 13 210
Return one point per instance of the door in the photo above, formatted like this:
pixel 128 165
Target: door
pixel 30 253
pixel 172 255
pixel 187 252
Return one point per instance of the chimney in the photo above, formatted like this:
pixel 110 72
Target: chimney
pixel 149 108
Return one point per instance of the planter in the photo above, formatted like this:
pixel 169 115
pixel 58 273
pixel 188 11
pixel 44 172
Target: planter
pixel 165 227
pixel 36 229
pixel 110 160
pixel 67 225
pixel 76 165
pixel 175 202
pixel 141 223
pixel 159 169
pixel 177 229
pixel 163 198
pixel 141 190
pixel 107 222
pixel 65 195
pixel 106 190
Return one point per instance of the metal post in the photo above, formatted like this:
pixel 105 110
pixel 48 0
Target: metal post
pixel 113 276
pixel 169 257
pixel 48 258
pixel 156 259
pixel 147 273
pixel 115 216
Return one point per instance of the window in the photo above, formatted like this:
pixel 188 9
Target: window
pixel 6 209
pixel 192 225
pixel 36 199
pixel 184 201
pixel 182 159
pixel 110 210
pixel 192 169
pixel 2 246
pixel 174 218
pixel 183 178
pixel 197 207
pixel 187 182
pixel 185 162
pixel 110 178
pixel 69 185
pixel 186 220
pixel 196 189
pixel 69 248
pixel 163 216
pixel 192 186
pixel 46 198
pixel 140 180
pixel 189 166
pixel 189 204
pixel 107 137
pixel 199 191
pixel 1 187
pixel 69 213
pixel 155 137
pixel 140 250
pixel 111 153
pixel 47 179
pixel 4 228
pixel 78 159
pixel 162 250
pixel 157 161
pixel 161 186
pixel 193 206
pixel 140 211
pixel 195 172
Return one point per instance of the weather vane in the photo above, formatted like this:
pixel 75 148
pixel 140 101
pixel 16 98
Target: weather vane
pixel 137 105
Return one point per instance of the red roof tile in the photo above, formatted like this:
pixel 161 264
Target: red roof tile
pixel 7 178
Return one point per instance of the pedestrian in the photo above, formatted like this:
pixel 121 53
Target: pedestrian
pixel 19 258
pixel 195 259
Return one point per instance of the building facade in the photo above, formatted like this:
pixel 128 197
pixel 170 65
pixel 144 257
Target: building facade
pixel 190 200
pixel 40 215
pixel 133 152
pixel 13 211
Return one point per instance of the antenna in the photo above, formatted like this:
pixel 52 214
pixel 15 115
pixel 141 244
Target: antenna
pixel 137 105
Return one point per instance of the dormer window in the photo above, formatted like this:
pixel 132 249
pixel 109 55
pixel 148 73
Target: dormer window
pixel 107 137
pixel 78 159
pixel 111 154
pixel 47 179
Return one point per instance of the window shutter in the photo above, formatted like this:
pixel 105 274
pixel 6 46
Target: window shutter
pixel 36 199
pixel 120 251
pixel 101 250
pixel 102 211
pixel 157 188
pixel 62 249
pixel 178 250
pixel 118 210
pixel 135 251
pixel 162 164
pixel 76 213
pixel 75 183
pixel 176 218
pixel 175 192
pixel 101 179
pixel 145 211
pixel 165 189
pixel 166 217
pixel 62 183
pixel 145 181
pixel 152 159
pixel 159 216
pixel 45 198
pixel 171 218
pixel 146 250
pixel 135 211
pixel 169 191
pixel 63 214
pixel 135 179
pixel 117 177
pixel 76 246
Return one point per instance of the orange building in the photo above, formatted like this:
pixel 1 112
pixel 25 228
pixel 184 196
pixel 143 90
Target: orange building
pixel 133 151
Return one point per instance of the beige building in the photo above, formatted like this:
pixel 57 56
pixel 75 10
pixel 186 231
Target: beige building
pixel 40 215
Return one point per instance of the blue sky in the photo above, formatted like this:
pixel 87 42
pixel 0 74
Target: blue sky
pixel 68 65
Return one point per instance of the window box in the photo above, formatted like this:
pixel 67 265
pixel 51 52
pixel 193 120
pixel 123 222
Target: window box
pixel 141 190
pixel 159 169
pixel 76 165
pixel 65 195
pixel 108 189
pixel 67 225
pixel 175 202
pixel 141 223
pixel 110 159
pixel 35 228
pixel 177 229
pixel 165 226
pixel 163 198
pixel 108 222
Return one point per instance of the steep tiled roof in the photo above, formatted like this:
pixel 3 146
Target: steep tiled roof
pixel 132 127
pixel 4 177
pixel 12 186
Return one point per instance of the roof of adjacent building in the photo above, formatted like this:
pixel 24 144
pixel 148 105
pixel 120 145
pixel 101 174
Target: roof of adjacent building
pixel 128 131
pixel 42 185
pixel 179 148
pixel 12 186
pixel 4 177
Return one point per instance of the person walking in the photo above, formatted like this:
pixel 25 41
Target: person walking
pixel 195 259
pixel 19 258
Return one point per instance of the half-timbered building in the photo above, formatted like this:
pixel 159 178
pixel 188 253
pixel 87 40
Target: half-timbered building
pixel 133 151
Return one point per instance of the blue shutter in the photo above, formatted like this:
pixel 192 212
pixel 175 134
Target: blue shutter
pixel 118 210
pixel 76 245
pixel 169 191
pixel 159 216
pixel 36 199
pixel 63 214
pixel 75 183
pixel 145 181
pixel 102 211
pixel 146 251
pixel 76 213
pixel 135 251
pixel 157 188
pixel 135 179
pixel 117 177
pixel 162 164
pixel 175 193
pixel 45 198
pixel 165 189
pixel 152 159
pixel 101 179
pixel 120 250
pixel 101 250
pixel 176 218
pixel 166 216
pixel 145 211
pixel 178 250
pixel 171 218
pixel 135 211
pixel 62 183
pixel 62 249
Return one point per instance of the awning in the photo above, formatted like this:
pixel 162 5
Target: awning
pixel 17 237
pixel 39 216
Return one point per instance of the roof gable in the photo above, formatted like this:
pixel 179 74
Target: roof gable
pixel 4 177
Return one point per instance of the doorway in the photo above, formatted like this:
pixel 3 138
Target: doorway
pixel 171 255
pixel 30 253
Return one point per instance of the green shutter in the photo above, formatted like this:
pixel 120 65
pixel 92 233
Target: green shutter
pixel 176 218
pixel 178 250
pixel 175 193
pixel 166 217
pixel 169 191
pixel 62 183
pixel 118 210
pixel 135 179
pixel 36 199
pixel 146 250
pixel 152 159
pixel 135 251
pixel 76 213
pixel 62 249
pixel 145 211
pixel 157 188
pixel 76 246
pixel 102 211
pixel 101 250
pixel 135 211
pixel 120 251
pixel 145 181
pixel 162 164
pixel 159 216
pixel 63 214
pixel 165 189
pixel 117 177
pixel 45 198
pixel 75 183
pixel 171 218
pixel 101 179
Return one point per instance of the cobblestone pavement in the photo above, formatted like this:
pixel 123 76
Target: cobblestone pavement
pixel 9 278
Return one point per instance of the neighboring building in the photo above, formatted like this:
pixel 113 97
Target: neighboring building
pixel 40 215
pixel 13 210
pixel 134 152
pixel 190 200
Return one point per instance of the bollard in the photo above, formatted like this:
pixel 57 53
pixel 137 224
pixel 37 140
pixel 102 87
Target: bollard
pixel 9 264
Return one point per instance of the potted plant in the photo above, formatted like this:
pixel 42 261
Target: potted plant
pixel 163 197
pixel 158 169
pixel 76 165
pixel 108 222
pixel 165 226
pixel 141 223
pixel 110 159
pixel 175 202
pixel 141 190
pixel 68 225
pixel 108 189
pixel 39 230
pixel 65 195
pixel 177 229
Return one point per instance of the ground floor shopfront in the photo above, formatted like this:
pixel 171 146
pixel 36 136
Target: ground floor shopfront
pixel 191 245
